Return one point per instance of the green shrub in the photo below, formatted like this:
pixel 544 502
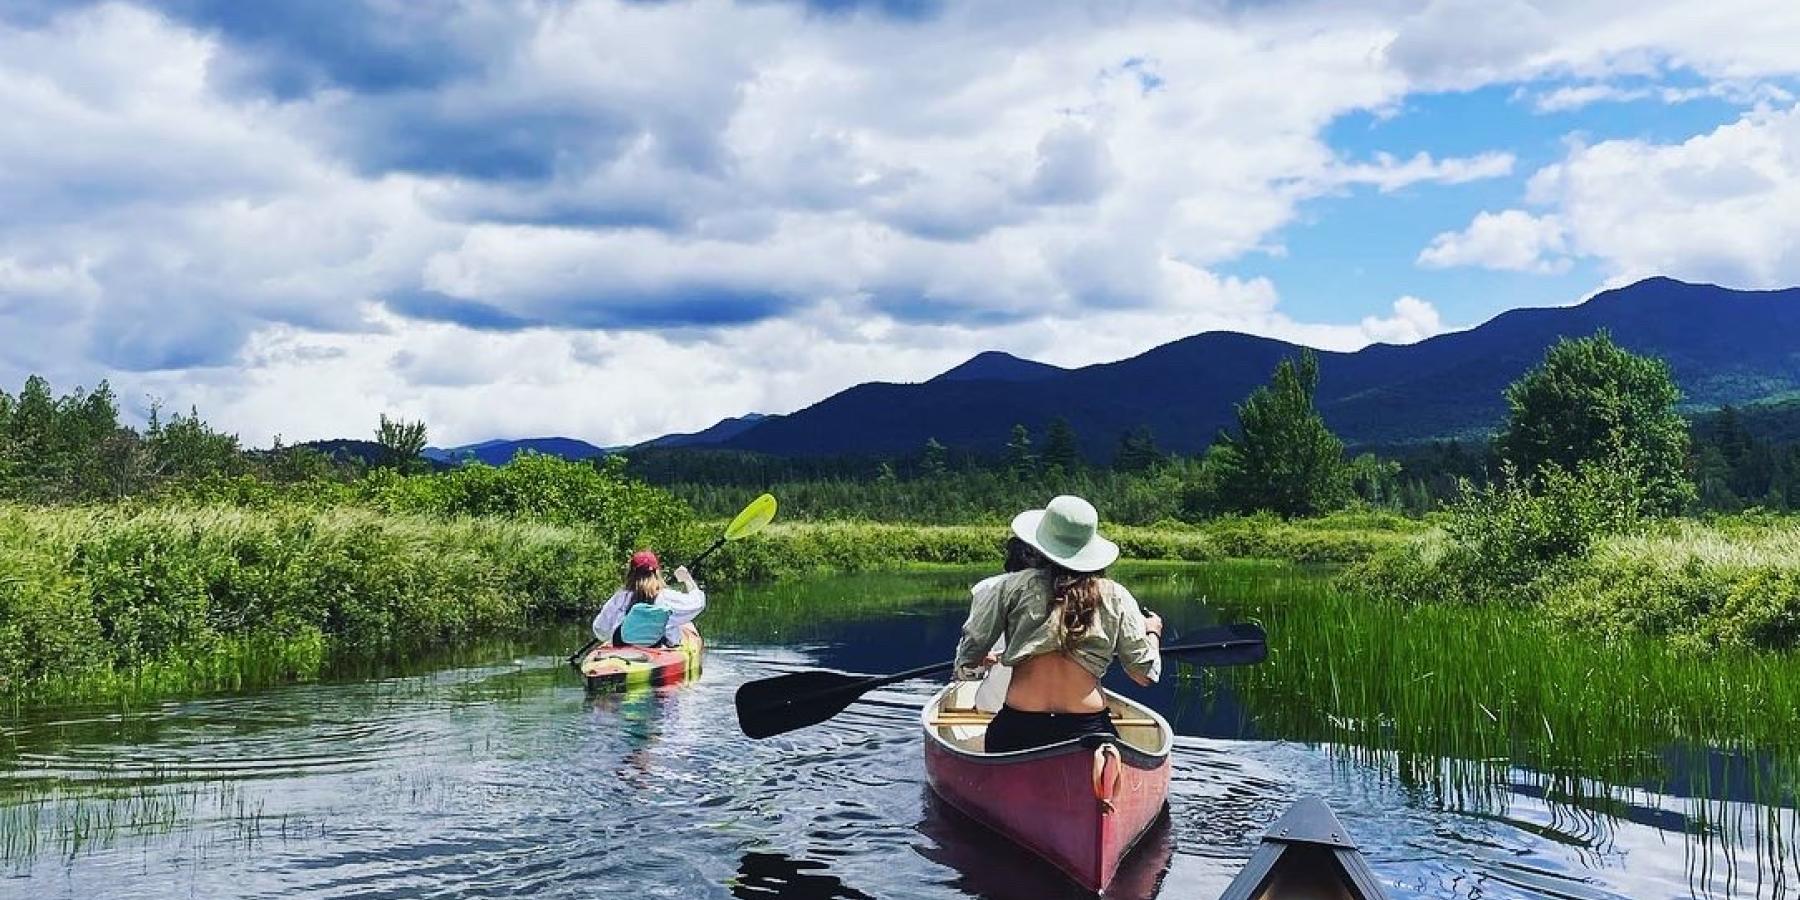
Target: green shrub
pixel 116 595
pixel 1701 587
pixel 1506 541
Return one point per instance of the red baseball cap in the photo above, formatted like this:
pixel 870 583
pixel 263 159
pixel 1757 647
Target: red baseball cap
pixel 645 561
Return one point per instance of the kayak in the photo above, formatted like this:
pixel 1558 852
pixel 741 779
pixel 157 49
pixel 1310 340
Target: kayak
pixel 1081 805
pixel 1307 853
pixel 608 668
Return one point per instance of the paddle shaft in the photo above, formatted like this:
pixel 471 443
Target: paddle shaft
pixel 695 564
pixel 783 703
pixel 1213 645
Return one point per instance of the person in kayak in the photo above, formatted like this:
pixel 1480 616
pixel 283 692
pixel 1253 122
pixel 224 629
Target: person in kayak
pixel 1064 622
pixel 645 612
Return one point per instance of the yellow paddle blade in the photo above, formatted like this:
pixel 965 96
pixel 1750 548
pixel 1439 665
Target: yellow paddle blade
pixel 759 513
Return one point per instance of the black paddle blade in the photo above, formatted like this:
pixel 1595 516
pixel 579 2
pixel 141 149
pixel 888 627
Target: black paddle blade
pixel 771 706
pixel 1242 644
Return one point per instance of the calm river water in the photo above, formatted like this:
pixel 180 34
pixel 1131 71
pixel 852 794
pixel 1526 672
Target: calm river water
pixel 494 775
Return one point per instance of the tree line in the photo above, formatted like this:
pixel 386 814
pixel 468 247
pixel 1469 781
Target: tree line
pixel 1280 457
pixel 72 448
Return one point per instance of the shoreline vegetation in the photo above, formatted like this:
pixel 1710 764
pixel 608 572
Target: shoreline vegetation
pixel 141 564
pixel 129 602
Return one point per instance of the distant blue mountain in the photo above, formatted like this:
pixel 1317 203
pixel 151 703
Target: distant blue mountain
pixel 1724 346
pixel 718 433
pixel 501 452
pixel 352 450
pixel 994 365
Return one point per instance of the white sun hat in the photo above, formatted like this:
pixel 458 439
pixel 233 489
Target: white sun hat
pixel 1067 532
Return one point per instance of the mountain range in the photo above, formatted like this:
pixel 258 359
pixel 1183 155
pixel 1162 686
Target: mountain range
pixel 1723 346
pixel 501 452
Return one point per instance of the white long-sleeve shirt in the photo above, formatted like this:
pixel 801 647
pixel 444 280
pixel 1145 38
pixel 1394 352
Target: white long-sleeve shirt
pixel 683 606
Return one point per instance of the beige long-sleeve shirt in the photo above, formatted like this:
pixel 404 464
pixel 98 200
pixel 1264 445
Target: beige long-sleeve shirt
pixel 1017 607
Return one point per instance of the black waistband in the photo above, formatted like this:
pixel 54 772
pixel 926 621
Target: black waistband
pixel 1096 714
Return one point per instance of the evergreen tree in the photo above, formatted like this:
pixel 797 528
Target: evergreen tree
pixel 935 462
pixel 1137 450
pixel 1282 458
pixel 1062 451
pixel 1592 401
pixel 1020 461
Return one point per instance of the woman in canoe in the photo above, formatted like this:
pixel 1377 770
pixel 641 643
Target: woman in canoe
pixel 1064 622
pixel 992 694
pixel 645 612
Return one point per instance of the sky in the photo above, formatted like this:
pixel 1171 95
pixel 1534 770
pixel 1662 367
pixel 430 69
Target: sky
pixel 613 220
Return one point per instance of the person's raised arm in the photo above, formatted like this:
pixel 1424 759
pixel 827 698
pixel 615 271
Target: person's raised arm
pixel 986 622
pixel 686 604
pixel 1140 640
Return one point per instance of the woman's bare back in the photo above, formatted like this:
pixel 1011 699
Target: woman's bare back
pixel 1052 682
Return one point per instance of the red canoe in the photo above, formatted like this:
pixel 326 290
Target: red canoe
pixel 608 668
pixel 1079 805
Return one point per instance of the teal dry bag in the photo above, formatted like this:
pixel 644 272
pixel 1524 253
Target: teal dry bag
pixel 644 625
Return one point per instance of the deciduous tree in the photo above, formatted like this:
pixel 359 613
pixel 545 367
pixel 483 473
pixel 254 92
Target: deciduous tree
pixel 1591 401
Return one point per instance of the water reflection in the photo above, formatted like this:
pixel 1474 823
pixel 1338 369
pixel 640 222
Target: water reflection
pixel 772 875
pixel 993 868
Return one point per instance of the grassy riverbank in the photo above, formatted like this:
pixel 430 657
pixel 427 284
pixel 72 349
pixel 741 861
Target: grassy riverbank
pixel 103 602
pixel 1477 705
pixel 1731 582
pixel 145 601
pixel 803 548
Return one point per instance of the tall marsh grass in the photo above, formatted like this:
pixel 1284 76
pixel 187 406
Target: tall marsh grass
pixel 1705 586
pixel 1736 584
pixel 1472 705
pixel 110 601
pixel 142 601
pixel 809 548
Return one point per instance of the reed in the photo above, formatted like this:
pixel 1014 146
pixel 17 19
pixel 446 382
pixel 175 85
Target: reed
pixel 1451 698
pixel 111 602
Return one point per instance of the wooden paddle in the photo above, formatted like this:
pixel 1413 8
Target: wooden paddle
pixel 751 520
pixel 770 706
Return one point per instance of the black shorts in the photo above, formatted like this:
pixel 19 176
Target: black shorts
pixel 1014 729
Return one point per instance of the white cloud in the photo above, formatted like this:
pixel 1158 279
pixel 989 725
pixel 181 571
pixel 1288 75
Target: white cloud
pixel 1573 97
pixel 1412 320
pixel 1390 174
pixel 1717 207
pixel 598 217
pixel 1463 44
pixel 1511 240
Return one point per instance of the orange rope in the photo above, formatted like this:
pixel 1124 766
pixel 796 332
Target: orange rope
pixel 1106 780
